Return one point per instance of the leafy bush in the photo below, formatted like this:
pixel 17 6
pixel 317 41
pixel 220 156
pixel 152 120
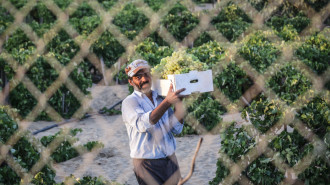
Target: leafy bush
pixel 130 21
pixel 23 152
pixel 179 21
pixel 291 146
pixel 232 81
pixel 63 4
pixel 18 3
pixel 210 53
pixel 152 52
pixel 155 4
pixel 65 151
pixel 263 113
pixel 316 115
pixel 259 4
pixel 236 142
pixel 179 62
pixel 221 173
pixel 288 21
pixel 5 19
pixel 202 39
pixel 231 22
pixel 259 51
pixel 261 171
pixel 317 173
pixel 87 180
pixel 317 4
pixel 288 83
pixel 315 53
pixel 108 48
pixel 84 19
pixel 207 111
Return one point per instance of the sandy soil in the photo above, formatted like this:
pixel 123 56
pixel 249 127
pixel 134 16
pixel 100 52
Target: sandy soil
pixel 113 161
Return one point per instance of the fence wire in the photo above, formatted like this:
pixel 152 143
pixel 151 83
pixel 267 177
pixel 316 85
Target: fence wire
pixel 205 17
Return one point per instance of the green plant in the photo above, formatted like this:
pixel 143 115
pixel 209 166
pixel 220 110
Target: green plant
pixel 5 19
pixel 179 21
pixel 155 4
pixel 317 4
pixel 231 21
pixel 130 21
pixel 316 114
pixel 210 53
pixel 315 53
pixel 87 180
pixel 259 4
pixel 236 142
pixel 263 113
pixel 317 173
pixel 152 52
pixel 221 173
pixel 207 111
pixel 232 81
pixel 289 83
pixel 259 51
pixel 291 146
pixel 261 171
pixel 288 21
pixel 202 39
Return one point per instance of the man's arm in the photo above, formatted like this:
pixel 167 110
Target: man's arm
pixel 171 98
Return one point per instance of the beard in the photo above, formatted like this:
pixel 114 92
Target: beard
pixel 140 88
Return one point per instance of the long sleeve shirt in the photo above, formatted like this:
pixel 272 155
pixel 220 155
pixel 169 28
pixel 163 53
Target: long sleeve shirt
pixel 146 140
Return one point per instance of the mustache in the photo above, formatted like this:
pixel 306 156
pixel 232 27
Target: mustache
pixel 141 84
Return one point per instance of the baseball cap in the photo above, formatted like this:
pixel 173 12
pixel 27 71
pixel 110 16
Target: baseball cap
pixel 135 66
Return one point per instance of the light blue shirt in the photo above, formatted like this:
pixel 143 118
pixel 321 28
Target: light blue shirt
pixel 149 141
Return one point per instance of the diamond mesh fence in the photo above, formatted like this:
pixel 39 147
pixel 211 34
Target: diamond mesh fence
pixel 287 81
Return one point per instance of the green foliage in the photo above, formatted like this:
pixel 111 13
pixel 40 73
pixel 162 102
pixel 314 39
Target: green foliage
pixel 288 21
pixel 315 53
pixel 317 173
pixel 202 39
pixel 87 180
pixel 179 21
pixel 64 151
pixel 108 48
pixel 130 21
pixel 121 75
pixel 221 173
pixel 110 112
pixel 155 4
pixel 207 110
pixel 316 114
pixel 107 4
pixel 152 52
pixel 90 145
pixel 210 53
pixel 259 51
pixel 261 171
pixel 233 81
pixel 41 14
pixel 259 4
pixel 289 83
pixel 231 21
pixel 5 19
pixel 18 3
pixel 263 113
pixel 23 152
pixel 291 146
pixel 236 142
pixel 205 1
pixel 63 4
pixel 84 19
pixel 317 4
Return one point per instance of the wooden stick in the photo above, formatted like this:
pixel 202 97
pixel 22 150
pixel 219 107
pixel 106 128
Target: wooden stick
pixel 182 181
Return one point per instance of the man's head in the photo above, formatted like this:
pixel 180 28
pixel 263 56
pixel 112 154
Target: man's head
pixel 139 75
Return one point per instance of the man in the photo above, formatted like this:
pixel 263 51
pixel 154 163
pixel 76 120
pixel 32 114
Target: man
pixel 150 124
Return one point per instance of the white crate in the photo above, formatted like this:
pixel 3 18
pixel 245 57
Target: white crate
pixel 194 81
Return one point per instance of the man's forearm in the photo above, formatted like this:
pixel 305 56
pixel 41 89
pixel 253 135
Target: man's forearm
pixel 159 111
pixel 179 111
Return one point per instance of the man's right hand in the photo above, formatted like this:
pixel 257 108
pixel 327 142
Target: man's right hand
pixel 174 97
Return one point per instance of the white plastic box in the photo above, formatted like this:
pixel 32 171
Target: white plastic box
pixel 194 81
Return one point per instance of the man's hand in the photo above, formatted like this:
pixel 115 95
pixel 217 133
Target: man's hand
pixel 174 97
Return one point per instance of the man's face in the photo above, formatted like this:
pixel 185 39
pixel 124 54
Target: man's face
pixel 141 81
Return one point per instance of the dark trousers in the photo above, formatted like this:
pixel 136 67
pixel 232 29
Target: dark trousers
pixel 157 171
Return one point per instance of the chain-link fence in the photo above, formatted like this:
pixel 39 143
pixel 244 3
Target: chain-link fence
pixel 46 47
